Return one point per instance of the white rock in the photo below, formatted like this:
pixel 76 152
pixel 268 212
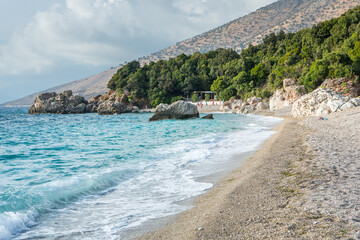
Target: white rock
pixel 346 106
pixel 322 101
pixel 355 101
pixel 286 97
pixel 262 106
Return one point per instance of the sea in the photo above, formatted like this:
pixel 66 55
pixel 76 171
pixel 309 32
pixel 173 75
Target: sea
pixel 98 177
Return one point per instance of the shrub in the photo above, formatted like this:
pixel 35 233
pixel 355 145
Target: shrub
pixel 195 97
pixel 175 99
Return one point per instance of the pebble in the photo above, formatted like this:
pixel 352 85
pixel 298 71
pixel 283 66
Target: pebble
pixel 337 165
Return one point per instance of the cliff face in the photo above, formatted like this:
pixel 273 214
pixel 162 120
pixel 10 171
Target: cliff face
pixel 287 15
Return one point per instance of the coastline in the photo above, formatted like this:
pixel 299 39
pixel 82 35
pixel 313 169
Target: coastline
pixel 214 178
pixel 270 195
pixel 151 229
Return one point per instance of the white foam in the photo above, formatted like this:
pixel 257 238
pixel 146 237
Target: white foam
pixel 12 223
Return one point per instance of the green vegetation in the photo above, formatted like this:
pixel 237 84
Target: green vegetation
pixel 329 49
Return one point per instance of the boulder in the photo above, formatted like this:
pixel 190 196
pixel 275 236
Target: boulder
pixel 135 109
pixel 210 116
pixel 111 108
pixel 226 107
pixel 177 110
pixel 262 106
pixel 237 104
pixel 287 96
pixel 248 106
pixel 247 109
pixel 254 101
pixel 322 101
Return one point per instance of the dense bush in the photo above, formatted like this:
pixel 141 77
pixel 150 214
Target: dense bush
pixel 327 50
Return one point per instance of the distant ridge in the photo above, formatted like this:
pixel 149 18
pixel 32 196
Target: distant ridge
pixel 87 87
pixel 287 15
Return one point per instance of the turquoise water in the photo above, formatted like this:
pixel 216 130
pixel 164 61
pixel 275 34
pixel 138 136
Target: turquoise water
pixel 93 177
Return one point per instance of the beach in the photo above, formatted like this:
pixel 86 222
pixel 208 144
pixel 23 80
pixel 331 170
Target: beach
pixel 301 184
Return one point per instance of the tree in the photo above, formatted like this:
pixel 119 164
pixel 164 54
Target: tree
pixel 219 85
pixel 195 97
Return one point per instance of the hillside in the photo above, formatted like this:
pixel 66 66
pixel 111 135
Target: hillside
pixel 287 15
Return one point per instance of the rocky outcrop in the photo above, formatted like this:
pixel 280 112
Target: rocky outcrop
pixel 66 103
pixel 342 86
pixel 112 103
pixel 177 110
pixel 287 96
pixel 322 101
pixel 63 103
pixel 248 106
pixel 111 108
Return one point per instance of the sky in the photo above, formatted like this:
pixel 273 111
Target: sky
pixel 45 43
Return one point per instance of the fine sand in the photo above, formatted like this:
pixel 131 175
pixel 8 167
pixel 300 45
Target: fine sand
pixel 302 184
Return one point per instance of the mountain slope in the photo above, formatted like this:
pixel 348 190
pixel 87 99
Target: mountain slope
pixel 87 87
pixel 287 15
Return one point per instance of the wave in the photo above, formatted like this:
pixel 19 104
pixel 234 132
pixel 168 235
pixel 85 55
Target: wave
pixel 11 223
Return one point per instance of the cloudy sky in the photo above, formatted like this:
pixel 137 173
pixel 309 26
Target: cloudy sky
pixel 45 43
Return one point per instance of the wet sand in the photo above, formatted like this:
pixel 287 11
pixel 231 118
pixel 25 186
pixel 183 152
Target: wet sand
pixel 289 189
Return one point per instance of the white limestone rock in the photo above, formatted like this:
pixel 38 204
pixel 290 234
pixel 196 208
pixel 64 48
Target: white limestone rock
pixel 322 101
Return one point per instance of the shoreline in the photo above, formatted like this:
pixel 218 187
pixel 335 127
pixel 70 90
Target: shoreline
pixel 215 178
pixel 271 195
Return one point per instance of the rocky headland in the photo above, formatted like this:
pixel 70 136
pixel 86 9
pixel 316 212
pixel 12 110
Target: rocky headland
pixel 66 103
pixel 63 103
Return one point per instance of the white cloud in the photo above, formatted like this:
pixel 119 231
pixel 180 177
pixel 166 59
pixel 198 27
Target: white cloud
pixel 107 32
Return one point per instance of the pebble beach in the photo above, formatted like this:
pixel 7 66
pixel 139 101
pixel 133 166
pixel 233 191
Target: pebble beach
pixel 301 184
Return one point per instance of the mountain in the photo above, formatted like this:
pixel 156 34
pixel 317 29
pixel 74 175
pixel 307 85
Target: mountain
pixel 287 15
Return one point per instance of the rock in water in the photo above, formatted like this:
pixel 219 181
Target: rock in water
pixel 177 110
pixel 63 103
pixel 210 116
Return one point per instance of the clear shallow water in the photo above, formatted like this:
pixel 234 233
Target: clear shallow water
pixel 93 177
